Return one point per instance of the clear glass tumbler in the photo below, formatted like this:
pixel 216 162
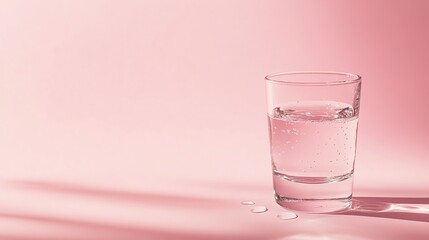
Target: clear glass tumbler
pixel 313 121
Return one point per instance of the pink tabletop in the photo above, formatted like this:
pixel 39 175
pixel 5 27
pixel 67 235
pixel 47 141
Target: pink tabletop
pixel 147 119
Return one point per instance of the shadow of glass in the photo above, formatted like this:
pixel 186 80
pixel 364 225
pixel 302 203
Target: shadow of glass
pixel 412 209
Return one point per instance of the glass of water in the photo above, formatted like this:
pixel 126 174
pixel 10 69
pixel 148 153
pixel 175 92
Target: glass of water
pixel 313 121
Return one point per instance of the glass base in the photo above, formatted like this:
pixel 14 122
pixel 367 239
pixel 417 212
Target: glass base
pixel 314 205
pixel 313 194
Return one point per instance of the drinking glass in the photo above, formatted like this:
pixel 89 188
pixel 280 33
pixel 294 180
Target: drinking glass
pixel 313 122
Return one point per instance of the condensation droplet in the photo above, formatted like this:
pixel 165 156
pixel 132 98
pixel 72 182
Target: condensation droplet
pixel 247 203
pixel 287 215
pixel 259 209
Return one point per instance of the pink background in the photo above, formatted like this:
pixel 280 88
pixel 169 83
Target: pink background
pixel 146 119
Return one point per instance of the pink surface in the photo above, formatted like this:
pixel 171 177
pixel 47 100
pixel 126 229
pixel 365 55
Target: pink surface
pixel 146 119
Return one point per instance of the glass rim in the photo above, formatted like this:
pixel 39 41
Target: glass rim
pixel 353 78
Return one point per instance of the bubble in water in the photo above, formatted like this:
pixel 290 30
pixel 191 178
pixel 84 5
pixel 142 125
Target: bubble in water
pixel 247 203
pixel 287 215
pixel 295 131
pixel 259 209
